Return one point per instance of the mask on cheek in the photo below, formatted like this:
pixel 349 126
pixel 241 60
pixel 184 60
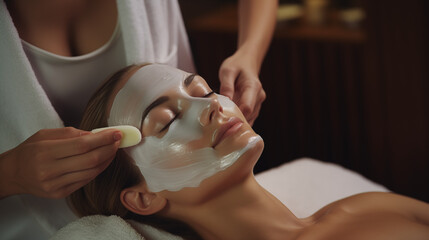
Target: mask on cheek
pixel 168 163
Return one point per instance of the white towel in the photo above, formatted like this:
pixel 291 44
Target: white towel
pixel 110 228
pixel 25 108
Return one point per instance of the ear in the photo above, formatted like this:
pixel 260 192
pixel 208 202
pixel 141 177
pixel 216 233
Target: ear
pixel 138 199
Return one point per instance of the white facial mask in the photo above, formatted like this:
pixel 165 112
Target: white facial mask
pixel 167 163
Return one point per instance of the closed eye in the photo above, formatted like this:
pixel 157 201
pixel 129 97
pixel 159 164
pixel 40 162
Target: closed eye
pixel 208 94
pixel 169 123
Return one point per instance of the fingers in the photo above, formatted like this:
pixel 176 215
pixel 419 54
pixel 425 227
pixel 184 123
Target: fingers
pixel 248 93
pixel 57 133
pixel 247 101
pixel 65 184
pixel 86 161
pixel 68 183
pixel 56 159
pixel 79 154
pixel 254 115
pixel 69 189
pixel 239 81
pixel 251 100
pixel 80 145
pixel 64 191
pixel 227 78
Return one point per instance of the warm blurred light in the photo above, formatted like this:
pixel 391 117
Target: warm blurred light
pixel 288 12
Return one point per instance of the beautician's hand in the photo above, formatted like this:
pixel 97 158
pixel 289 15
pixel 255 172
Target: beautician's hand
pixel 53 163
pixel 239 73
pixel 239 81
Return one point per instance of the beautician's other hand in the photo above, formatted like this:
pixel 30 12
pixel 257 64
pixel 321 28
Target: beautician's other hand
pixel 240 82
pixel 53 163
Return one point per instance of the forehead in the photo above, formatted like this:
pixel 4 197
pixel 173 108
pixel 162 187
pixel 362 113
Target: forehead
pixel 140 90
pixel 152 81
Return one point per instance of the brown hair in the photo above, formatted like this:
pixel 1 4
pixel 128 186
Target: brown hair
pixel 102 195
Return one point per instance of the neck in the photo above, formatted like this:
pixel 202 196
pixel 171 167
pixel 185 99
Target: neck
pixel 246 211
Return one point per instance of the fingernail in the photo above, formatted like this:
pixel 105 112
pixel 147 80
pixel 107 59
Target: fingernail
pixel 117 136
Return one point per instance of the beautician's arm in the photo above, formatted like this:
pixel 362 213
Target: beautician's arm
pixel 239 74
pixel 55 162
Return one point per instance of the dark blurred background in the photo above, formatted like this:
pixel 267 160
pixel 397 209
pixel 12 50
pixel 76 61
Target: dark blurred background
pixel 347 82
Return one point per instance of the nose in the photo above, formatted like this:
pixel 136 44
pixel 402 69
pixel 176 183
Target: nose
pixel 212 112
pixel 215 109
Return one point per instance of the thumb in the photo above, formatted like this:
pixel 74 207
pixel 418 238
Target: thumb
pixel 227 81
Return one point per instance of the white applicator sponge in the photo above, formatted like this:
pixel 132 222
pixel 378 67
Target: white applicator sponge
pixel 130 135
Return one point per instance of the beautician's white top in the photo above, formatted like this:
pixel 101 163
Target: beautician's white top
pixel 69 82
pixel 152 31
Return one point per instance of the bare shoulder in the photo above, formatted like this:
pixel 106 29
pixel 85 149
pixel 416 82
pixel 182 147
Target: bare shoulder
pixel 382 201
pixel 374 215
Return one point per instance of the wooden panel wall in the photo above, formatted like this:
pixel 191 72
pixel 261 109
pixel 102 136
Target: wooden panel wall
pixel 397 87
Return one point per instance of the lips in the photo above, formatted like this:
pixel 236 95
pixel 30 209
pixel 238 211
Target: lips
pixel 227 129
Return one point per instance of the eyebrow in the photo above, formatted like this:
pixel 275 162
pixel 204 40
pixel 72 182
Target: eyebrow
pixel 163 99
pixel 189 79
pixel 154 104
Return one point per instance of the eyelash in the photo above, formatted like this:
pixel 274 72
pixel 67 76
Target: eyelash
pixel 177 115
pixel 169 123
pixel 208 94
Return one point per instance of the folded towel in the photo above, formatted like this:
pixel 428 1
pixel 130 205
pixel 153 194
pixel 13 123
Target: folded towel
pixel 98 227
pixel 109 228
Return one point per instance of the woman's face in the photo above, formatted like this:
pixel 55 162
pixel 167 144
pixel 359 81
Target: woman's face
pixel 189 132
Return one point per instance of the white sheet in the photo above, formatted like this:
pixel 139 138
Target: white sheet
pixel 306 185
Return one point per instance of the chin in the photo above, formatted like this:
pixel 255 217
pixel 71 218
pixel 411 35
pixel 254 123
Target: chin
pixel 251 156
pixel 222 181
pixel 236 142
pixel 243 167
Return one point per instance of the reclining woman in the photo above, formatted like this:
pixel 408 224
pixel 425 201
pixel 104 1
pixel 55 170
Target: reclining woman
pixel 195 166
